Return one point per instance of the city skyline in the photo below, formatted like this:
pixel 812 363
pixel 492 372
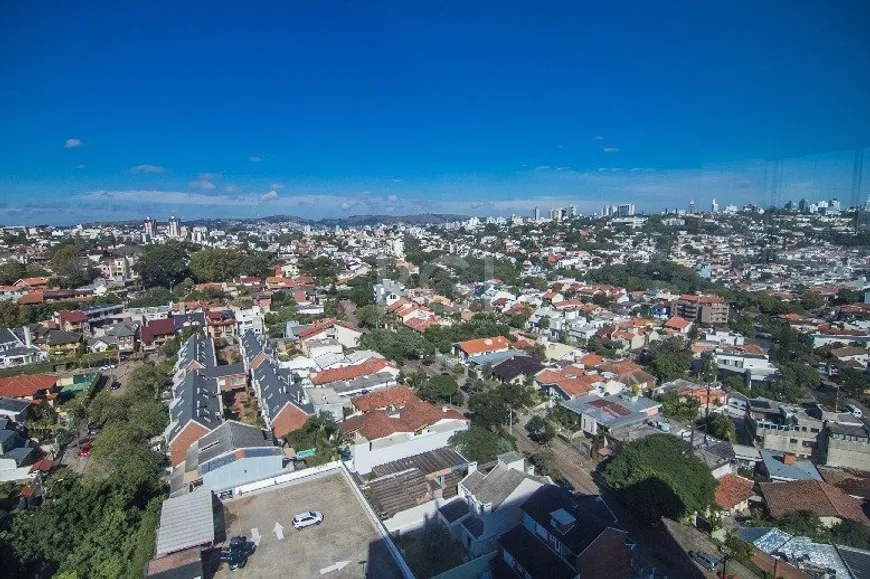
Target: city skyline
pixel 366 109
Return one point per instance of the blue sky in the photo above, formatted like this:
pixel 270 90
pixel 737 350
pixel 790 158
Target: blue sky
pixel 114 110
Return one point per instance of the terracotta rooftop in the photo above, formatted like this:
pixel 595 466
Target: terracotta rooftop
pixel 413 416
pixel 808 495
pixel 484 345
pixel 732 491
pixel 367 368
pixel 383 398
pixel 677 323
pixel 22 386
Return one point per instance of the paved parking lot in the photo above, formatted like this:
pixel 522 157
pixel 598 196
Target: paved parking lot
pixel 345 545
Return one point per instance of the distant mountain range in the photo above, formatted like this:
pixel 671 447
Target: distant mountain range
pixel 350 221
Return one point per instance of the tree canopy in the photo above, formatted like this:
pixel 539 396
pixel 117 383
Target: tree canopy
pixel 162 265
pixel 659 476
pixel 219 265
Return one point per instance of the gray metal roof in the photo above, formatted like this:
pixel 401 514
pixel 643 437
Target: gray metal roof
pixel 224 370
pixel 277 390
pixel 7 336
pixel 494 358
pixel 197 397
pixel 185 521
pixel 251 346
pixel 197 349
pixel 427 462
pixel 13 404
pixel 228 437
pixel 497 485
pixel 612 411
pixel 363 383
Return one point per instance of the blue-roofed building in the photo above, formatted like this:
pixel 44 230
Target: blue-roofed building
pixel 230 455
pixel 784 467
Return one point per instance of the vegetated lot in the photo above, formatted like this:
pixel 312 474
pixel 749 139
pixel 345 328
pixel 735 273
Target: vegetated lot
pixel 334 549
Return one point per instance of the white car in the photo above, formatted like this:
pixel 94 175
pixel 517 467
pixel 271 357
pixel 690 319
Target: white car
pixel 303 520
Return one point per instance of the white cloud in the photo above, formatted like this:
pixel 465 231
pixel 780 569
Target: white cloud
pixel 72 143
pixel 610 149
pixel 79 166
pixel 276 186
pixel 346 205
pixel 270 196
pixel 146 168
pixel 598 138
pixel 397 180
pixel 230 188
pixel 392 198
pixel 203 182
pixel 254 159
pixel 543 168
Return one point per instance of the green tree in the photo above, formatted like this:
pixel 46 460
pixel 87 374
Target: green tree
pixel 853 382
pixel 321 433
pixel 811 300
pixel 370 316
pixel 659 476
pixel 540 429
pixel 12 271
pixel 438 388
pixel 480 444
pixel 804 523
pixel 163 265
pixel 670 359
pixel 722 427
pixel 220 265
pixel 11 315
pixel 489 409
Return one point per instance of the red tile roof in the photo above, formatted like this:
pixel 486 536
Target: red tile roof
pixel 367 368
pixel 157 329
pixel 484 345
pixel 591 360
pixel 677 323
pixel 413 416
pixel 732 491
pixel 808 495
pixel 23 386
pixel 32 298
pixel 383 398
pixel 621 367
pixel 73 317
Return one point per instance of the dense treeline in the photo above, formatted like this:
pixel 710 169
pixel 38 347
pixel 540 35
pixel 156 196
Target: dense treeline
pixel 100 525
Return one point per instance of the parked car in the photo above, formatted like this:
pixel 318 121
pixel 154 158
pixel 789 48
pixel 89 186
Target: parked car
pixel 303 520
pixel 115 385
pixel 705 560
pixel 237 551
pixel 85 450
pixel 93 429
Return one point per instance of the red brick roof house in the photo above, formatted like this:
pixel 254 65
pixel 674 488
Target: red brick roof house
pixel 384 398
pixel 155 332
pixel 732 494
pixel 35 387
pixel 830 503
pixel 678 325
pixel 481 346
pixel 70 321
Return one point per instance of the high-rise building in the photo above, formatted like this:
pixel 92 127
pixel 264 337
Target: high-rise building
pixel 624 209
pixel 691 207
pixel 149 228
pixel 714 207
pixel 572 211
pixel 174 230
pixel 556 214
pixel 536 214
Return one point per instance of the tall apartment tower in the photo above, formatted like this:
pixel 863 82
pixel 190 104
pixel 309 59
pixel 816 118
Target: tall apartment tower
pixel 149 228
pixel 174 227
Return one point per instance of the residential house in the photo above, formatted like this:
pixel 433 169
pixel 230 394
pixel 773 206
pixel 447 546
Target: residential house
pixel 120 337
pixel 464 350
pixel 607 413
pixel 385 435
pixel 678 325
pixel 70 321
pixel 283 404
pixel 17 454
pixel 493 500
pixel 344 333
pixel 749 361
pixel 852 354
pixel 786 467
pixel 254 350
pixel 564 536
pixel 196 353
pixel 830 503
pixel 156 332
pixel 220 324
pixel 36 388
pixel 372 374
pixel 15 351
pixel 567 382
pixel 14 409
pixel 733 493
pixel 195 410
pixel 516 370
pixel 230 455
